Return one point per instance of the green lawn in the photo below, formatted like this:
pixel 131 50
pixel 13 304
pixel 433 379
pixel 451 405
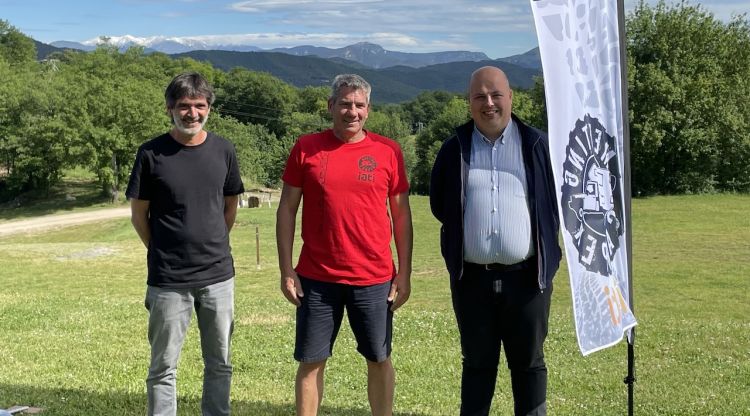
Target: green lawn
pixel 73 325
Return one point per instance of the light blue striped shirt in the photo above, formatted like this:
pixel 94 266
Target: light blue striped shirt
pixel 497 222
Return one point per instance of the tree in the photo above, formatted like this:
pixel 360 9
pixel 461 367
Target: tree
pixel 257 97
pixel 427 106
pixel 392 126
pixel 525 107
pixel 15 47
pixel 455 113
pixel 34 137
pixel 537 116
pixel 247 140
pixel 23 109
pixel 389 125
pixel 314 100
pixel 689 83
pixel 115 103
pixel 298 123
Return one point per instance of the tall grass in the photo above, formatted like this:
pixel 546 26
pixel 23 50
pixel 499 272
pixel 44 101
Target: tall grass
pixel 73 325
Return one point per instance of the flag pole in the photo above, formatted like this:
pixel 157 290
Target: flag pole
pixel 630 379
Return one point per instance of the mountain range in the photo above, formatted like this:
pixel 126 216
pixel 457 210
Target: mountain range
pixel 395 76
pixel 392 84
pixel 368 54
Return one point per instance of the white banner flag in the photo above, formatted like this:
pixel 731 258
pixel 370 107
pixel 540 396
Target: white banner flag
pixel 578 42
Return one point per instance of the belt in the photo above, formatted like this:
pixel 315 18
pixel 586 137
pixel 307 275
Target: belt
pixel 499 267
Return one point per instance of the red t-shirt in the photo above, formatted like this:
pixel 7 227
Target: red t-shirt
pixel 346 227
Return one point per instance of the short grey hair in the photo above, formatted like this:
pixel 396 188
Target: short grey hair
pixel 352 81
pixel 188 85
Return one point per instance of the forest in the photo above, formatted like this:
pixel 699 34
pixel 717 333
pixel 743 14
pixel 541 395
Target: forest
pixel 688 94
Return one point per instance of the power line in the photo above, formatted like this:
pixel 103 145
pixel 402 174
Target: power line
pixel 247 104
pixel 242 113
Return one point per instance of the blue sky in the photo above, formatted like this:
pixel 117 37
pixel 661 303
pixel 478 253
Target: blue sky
pixel 498 28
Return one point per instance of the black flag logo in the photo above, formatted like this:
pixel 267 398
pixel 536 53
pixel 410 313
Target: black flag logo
pixel 591 197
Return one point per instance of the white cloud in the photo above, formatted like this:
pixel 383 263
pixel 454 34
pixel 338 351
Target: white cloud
pixel 293 5
pixel 496 27
pixel 388 40
pixel 399 25
pixel 456 16
pixel 406 25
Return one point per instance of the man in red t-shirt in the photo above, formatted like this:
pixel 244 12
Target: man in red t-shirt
pixel 349 178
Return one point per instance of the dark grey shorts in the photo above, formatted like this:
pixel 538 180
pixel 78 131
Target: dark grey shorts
pixel 322 310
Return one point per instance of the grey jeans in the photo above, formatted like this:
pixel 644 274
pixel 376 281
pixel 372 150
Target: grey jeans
pixel 170 311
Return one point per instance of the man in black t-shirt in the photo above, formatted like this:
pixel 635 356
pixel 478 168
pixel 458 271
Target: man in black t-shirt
pixel 184 190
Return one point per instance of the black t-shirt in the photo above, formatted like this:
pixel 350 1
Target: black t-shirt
pixel 186 186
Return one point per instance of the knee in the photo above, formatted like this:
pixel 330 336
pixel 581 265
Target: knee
pixel 160 370
pixel 380 367
pixel 383 365
pixel 164 361
pixel 484 365
pixel 382 370
pixel 481 358
pixel 218 368
pixel 534 368
pixel 313 368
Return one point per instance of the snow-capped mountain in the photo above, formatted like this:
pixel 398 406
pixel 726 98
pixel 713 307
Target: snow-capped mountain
pixel 165 44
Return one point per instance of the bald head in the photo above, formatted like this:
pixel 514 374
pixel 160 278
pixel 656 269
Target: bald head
pixel 489 72
pixel 490 100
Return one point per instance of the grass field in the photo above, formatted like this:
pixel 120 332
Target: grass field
pixel 73 325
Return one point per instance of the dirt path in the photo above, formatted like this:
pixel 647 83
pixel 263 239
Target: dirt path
pixel 60 220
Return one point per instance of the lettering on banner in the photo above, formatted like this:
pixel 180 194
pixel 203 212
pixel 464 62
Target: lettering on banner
pixel 616 303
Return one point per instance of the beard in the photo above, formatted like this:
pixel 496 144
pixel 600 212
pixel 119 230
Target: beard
pixel 181 125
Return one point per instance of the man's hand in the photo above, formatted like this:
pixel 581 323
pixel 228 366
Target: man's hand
pixel 291 288
pixel 285 223
pixel 403 236
pixel 400 290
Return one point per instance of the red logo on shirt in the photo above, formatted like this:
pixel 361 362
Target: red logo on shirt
pixel 366 165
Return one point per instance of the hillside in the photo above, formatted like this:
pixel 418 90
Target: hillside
pixel 395 76
pixel 43 50
pixel 375 56
pixel 302 71
pixel 394 84
pixel 530 59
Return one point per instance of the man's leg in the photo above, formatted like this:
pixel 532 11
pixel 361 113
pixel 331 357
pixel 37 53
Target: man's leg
pixel 318 322
pixel 214 306
pixel 474 302
pixel 372 324
pixel 381 382
pixel 308 387
pixel 525 329
pixel 169 317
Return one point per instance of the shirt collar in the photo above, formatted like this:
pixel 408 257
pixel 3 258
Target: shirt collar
pixel 478 134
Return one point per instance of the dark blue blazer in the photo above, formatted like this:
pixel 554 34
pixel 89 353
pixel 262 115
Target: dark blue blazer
pixel 448 197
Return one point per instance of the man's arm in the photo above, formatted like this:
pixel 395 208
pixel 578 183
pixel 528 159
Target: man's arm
pixel 139 209
pixel 403 235
pixel 230 210
pixel 286 217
